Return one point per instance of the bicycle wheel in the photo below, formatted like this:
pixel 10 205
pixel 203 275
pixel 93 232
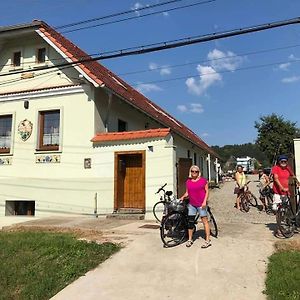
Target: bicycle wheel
pixel 252 200
pixel 159 210
pixel 212 223
pixel 269 201
pixel 173 230
pixel 245 203
pixel 284 219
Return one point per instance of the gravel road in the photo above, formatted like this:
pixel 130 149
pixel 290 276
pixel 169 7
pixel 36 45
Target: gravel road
pixel 222 203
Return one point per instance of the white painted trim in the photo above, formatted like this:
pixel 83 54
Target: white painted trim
pixel 42 93
pixel 43 36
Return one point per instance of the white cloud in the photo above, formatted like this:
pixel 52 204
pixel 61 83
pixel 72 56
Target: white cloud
pixel 163 70
pixel 205 134
pixel 182 108
pixel 137 6
pixel 208 76
pixel 196 108
pixel 290 79
pixel 284 66
pixel 153 66
pixel 148 87
pixel 165 14
pixel 191 108
pixel 293 57
pixel 224 60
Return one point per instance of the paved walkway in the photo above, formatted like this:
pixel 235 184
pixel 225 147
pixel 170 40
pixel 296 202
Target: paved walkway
pixel 233 268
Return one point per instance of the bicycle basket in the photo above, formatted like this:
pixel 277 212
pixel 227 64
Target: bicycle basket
pixel 177 205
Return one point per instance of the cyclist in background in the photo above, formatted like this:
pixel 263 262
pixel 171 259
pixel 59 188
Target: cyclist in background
pixel 264 182
pixel 281 173
pixel 197 191
pixel 240 179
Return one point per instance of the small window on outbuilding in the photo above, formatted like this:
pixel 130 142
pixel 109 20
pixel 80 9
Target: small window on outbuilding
pixel 188 154
pixel 16 60
pixel 195 158
pixel 41 55
pixel 122 125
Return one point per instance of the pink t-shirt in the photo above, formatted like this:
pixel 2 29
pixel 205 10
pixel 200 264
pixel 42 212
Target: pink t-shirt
pixel 196 191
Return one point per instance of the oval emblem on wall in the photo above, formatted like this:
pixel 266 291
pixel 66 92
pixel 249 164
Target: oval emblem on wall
pixel 25 129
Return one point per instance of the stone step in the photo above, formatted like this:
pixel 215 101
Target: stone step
pixel 130 211
pixel 126 216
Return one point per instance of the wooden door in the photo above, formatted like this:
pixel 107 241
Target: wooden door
pixel 183 168
pixel 130 180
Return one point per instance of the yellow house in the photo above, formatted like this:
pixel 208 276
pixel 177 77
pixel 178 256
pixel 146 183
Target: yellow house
pixel 75 138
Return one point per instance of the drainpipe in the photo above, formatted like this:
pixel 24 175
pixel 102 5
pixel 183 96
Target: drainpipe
pixel 217 171
pixel 108 110
pixel 208 169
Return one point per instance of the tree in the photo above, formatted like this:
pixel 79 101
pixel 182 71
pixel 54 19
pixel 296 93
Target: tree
pixel 275 135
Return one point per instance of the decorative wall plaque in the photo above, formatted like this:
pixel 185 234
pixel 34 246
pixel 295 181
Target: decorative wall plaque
pixel 5 160
pixel 87 163
pixel 47 159
pixel 25 129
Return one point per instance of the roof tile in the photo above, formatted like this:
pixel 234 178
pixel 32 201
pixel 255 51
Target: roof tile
pixel 130 135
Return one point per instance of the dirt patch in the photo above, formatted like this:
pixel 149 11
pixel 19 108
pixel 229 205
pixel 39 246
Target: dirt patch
pixel 292 245
pixel 80 233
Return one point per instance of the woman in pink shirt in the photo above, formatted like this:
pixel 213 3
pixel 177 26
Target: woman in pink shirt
pixel 197 191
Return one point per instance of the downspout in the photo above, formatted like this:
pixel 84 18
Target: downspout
pixel 108 111
pixel 208 169
pixel 217 171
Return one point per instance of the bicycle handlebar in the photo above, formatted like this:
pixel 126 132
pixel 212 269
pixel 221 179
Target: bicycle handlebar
pixel 161 188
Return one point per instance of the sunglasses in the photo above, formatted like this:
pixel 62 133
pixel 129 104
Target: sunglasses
pixel 283 161
pixel 193 171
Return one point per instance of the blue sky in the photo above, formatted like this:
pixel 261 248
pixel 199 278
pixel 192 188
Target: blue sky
pixel 234 88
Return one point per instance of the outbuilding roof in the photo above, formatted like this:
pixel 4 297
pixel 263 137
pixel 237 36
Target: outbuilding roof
pixel 104 77
pixel 131 135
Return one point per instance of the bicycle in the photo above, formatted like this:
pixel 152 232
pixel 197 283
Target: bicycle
pixel 267 194
pixel 247 198
pixel 288 221
pixel 174 227
pixel 160 208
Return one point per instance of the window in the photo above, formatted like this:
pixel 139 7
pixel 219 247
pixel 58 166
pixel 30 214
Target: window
pixel 17 59
pixel 122 125
pixel 195 158
pixel 188 154
pixel 5 133
pixel 41 55
pixel 49 130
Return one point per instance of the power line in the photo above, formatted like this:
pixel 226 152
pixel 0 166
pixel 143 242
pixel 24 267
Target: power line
pixel 169 44
pixel 140 16
pixel 117 14
pixel 220 72
pixel 210 60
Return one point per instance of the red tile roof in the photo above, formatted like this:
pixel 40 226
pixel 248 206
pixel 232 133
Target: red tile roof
pixel 102 75
pixel 131 135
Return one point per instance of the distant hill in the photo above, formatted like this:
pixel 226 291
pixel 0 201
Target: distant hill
pixel 248 149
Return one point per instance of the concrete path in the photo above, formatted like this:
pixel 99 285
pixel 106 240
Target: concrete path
pixel 233 268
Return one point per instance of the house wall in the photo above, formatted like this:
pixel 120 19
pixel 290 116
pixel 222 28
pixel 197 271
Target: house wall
pixel 159 169
pixel 40 79
pixel 65 186
pixel 297 157
pixel 184 147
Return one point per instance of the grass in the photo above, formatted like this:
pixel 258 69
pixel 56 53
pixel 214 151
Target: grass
pixel 37 265
pixel 283 275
